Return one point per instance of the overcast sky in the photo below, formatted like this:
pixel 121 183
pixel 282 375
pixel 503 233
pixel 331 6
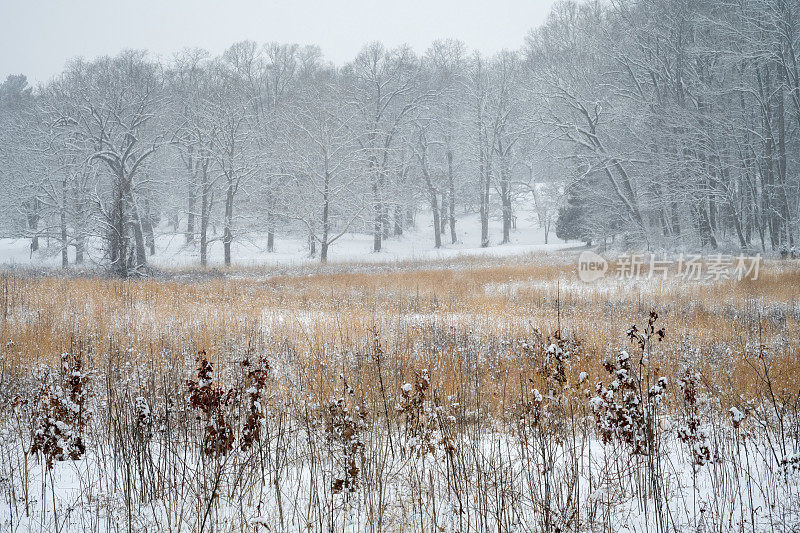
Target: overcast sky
pixel 38 36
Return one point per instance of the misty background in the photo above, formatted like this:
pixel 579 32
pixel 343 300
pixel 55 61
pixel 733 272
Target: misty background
pixel 651 125
pixel 37 38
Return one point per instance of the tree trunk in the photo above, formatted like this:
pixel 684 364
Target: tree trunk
pixel 80 248
pixel 451 196
pixel 270 237
pixel 398 220
pixel 270 224
pixel 117 243
pixel 437 230
pixel 312 240
pixel 706 233
pixel 483 169
pixel 192 197
pixel 323 254
pixel 147 227
pixel 485 213
pixel 139 255
pixel 63 223
pixel 769 216
pixel 227 237
pixel 205 208
pixel 782 196
pixel 410 214
pixel 505 198
pixel 80 234
pixel 443 215
pixel 377 213
pixel 33 223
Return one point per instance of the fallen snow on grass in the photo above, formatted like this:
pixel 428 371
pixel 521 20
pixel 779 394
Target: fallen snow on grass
pixel 250 249
pixel 497 483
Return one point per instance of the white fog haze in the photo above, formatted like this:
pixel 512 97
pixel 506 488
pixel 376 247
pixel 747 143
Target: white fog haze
pixel 38 37
pixel 446 266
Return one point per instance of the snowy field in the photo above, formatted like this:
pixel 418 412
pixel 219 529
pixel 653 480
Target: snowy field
pixel 642 377
pixel 492 482
pixel 249 250
pixel 487 396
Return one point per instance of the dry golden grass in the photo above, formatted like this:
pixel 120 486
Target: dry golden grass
pixel 459 319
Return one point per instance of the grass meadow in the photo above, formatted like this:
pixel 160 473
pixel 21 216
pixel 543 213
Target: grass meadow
pixel 490 394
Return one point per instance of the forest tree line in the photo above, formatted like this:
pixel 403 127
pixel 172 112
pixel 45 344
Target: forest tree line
pixel 659 124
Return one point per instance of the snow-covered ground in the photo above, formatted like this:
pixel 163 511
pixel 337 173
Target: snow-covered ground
pixel 251 249
pixel 416 457
pixel 501 484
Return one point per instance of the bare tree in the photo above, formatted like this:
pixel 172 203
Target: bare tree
pixel 108 108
